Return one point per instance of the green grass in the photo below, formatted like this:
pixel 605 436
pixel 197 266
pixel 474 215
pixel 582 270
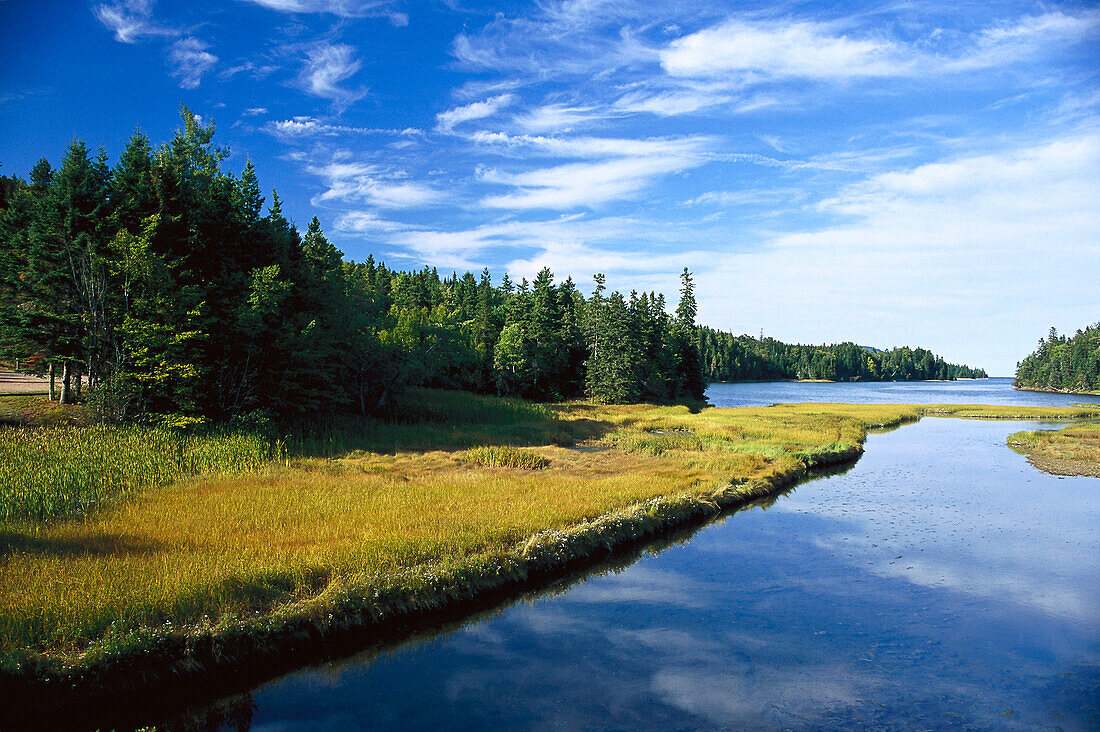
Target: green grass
pixel 50 473
pixel 493 456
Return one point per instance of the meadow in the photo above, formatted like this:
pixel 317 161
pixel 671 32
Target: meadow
pixel 122 541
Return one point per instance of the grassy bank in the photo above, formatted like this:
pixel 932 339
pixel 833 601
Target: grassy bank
pixel 1072 450
pixel 224 562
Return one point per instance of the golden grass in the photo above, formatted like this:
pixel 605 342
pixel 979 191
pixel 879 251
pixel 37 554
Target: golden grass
pixel 1072 450
pixel 213 551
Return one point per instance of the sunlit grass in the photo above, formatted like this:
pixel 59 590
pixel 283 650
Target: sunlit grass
pixel 1072 450
pixel 506 456
pixel 384 500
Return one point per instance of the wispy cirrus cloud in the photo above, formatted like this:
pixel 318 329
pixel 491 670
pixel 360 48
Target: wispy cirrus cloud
pixel 340 8
pixel 577 185
pixel 189 60
pixel 353 181
pixel 327 66
pixel 446 121
pixel 756 51
pixel 558 118
pixel 131 20
pixel 304 126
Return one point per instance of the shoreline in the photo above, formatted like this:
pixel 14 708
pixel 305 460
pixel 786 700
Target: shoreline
pixel 191 659
pixel 1055 391
pixel 204 660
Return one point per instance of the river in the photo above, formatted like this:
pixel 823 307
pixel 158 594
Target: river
pixel 941 582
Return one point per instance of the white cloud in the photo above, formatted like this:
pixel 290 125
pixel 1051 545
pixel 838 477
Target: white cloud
pixel 255 111
pixel 189 61
pixel 672 103
pixel 365 222
pixel 598 147
pixel 130 20
pixel 305 127
pixel 327 66
pixel 354 181
pixel 747 51
pixel 781 49
pixel 971 257
pixel 623 167
pixel 1017 42
pixel 574 245
pixel 557 118
pixel 341 8
pixel 476 110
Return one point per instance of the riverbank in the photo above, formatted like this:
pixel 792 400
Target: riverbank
pixel 1072 450
pixel 1056 391
pixel 215 575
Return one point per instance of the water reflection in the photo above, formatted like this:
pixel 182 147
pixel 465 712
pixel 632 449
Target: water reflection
pixel 997 390
pixel 941 583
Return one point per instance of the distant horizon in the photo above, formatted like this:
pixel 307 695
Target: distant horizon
pixel 917 175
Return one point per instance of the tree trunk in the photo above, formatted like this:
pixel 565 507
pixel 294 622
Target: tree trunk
pixel 53 382
pixel 66 383
pixel 78 387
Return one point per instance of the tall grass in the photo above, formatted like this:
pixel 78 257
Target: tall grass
pixel 492 456
pixel 48 473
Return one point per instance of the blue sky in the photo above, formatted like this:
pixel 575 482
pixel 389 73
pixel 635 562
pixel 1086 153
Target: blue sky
pixel 897 173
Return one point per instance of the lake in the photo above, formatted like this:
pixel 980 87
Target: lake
pixel 941 582
pixel 997 390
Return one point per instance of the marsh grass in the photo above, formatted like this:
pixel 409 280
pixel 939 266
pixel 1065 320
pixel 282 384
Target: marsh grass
pixel 367 517
pixel 1072 450
pixel 493 456
pixel 48 473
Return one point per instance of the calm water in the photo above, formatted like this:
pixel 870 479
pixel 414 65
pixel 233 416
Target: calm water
pixel 942 582
pixel 996 390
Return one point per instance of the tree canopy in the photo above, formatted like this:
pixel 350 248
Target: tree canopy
pixel 1063 364
pixel 165 285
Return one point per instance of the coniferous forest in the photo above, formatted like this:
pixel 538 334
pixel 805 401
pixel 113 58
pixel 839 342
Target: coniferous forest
pixel 176 293
pixel 726 357
pixel 165 286
pixel 1063 364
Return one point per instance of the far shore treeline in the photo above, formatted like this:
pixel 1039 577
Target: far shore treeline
pixel 1063 364
pixel 164 285
pixel 726 357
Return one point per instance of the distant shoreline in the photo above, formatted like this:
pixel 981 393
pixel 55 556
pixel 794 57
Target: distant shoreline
pixel 1055 391
pixel 853 381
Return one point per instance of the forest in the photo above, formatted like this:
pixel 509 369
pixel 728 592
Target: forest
pixel 1063 364
pixel 726 357
pixel 162 287
pixel 160 290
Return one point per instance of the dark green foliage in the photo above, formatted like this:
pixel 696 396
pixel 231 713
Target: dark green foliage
pixel 1063 364
pixel 164 285
pixel 727 357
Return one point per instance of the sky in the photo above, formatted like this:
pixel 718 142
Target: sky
pixel 889 173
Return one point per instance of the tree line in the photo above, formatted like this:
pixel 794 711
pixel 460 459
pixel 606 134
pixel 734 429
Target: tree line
pixel 163 287
pixel 726 357
pixel 1063 364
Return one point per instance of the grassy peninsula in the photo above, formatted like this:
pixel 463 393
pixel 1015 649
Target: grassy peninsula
pixel 239 546
pixel 1072 450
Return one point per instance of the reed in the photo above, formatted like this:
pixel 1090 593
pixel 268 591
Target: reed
pixel 48 473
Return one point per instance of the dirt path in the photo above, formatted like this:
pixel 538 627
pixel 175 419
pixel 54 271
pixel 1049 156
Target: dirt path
pixel 13 383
